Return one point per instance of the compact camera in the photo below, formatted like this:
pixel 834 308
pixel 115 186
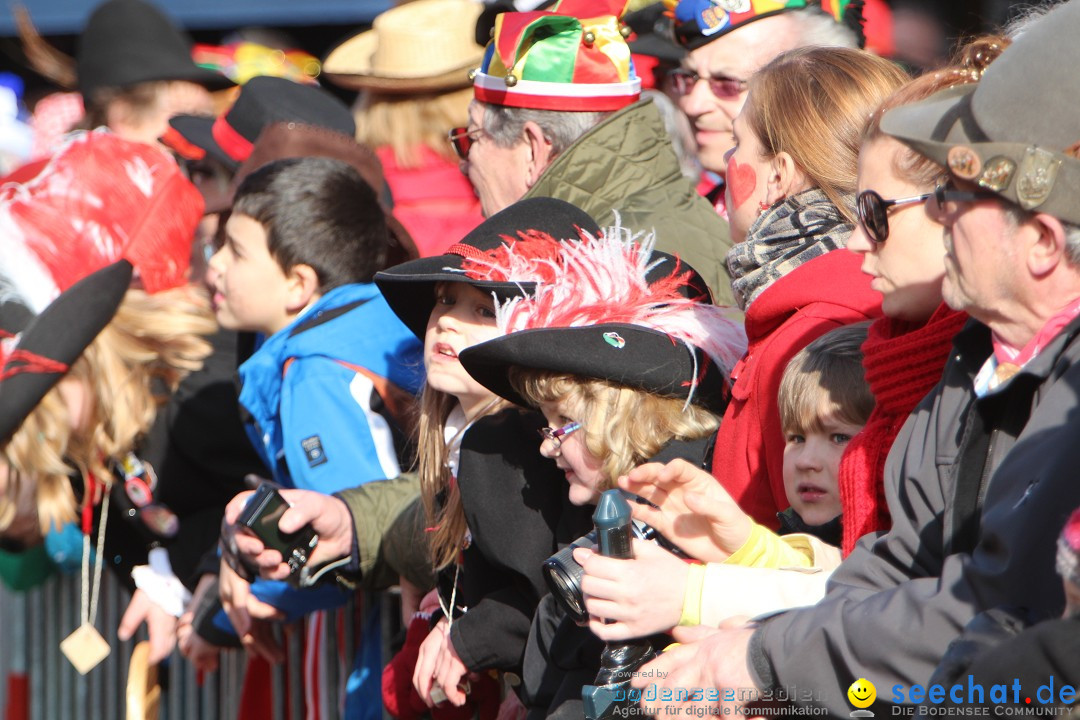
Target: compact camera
pixel 261 516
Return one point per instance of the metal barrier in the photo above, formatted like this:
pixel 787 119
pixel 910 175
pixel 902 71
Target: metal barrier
pixel 33 624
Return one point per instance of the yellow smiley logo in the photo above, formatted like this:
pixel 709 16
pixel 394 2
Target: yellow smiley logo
pixel 862 693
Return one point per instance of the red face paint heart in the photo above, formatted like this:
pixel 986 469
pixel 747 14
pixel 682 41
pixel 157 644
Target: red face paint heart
pixel 742 180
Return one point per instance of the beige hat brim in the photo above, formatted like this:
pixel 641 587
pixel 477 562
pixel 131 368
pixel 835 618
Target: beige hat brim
pixel 349 66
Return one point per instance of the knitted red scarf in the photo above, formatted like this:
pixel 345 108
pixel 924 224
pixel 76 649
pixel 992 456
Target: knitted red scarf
pixel 903 362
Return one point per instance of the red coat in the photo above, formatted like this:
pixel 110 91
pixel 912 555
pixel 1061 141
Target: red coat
pixel 828 292
pixel 435 201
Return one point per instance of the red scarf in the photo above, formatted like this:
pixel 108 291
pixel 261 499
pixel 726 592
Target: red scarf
pixel 903 362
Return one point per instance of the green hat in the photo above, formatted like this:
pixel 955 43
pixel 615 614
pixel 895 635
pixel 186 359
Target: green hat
pixel 1009 132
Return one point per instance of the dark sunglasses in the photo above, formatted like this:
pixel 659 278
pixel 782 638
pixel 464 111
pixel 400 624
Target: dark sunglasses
pixel 462 139
pixel 726 88
pixel 872 210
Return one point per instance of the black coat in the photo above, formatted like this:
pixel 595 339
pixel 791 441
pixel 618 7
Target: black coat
pixel 518 515
pixel 562 656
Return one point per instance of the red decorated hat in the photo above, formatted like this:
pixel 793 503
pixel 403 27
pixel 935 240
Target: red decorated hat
pixel 572 59
pixel 100 199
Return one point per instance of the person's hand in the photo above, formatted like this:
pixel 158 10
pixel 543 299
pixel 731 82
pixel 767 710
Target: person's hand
pixel 427 661
pixel 449 669
pixel 329 517
pixel 249 616
pixel 693 510
pixel 196 649
pixel 706 658
pixel 642 595
pixel 160 625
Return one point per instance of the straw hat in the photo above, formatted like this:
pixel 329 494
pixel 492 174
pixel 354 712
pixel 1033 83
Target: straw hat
pixel 421 46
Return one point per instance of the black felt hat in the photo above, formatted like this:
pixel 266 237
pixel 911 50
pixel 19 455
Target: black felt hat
pixel 409 288
pixel 622 313
pixel 127 42
pixel 620 353
pixel 55 339
pixel 263 100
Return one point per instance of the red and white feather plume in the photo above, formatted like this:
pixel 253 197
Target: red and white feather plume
pixel 607 280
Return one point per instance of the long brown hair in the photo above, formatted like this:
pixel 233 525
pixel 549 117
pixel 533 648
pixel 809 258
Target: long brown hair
pixel 813 103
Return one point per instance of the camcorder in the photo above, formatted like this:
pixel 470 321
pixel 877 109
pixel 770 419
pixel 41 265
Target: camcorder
pixel 563 573
pixel 261 516
pixel 612 536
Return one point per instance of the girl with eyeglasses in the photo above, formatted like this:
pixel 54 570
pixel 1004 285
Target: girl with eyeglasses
pixel 903 253
pixel 629 362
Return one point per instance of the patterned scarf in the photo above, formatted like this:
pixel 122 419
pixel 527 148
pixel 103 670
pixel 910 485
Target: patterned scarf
pixel 790 233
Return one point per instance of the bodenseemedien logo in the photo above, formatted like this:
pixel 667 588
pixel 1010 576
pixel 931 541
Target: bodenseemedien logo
pixel 862 694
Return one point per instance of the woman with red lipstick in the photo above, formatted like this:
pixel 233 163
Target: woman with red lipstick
pixel 791 187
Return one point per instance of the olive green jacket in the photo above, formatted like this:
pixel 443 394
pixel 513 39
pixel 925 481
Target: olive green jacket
pixel 388 521
pixel 627 164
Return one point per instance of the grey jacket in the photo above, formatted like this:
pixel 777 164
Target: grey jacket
pixel 978 490
pixel 626 163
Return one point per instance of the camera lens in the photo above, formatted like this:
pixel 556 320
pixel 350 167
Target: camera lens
pixel 563 575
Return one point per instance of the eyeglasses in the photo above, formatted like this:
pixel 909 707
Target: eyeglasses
pixel 556 435
pixel 462 139
pixel 722 86
pixel 872 211
pixel 946 192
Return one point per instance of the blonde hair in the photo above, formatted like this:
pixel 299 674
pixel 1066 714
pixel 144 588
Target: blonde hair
pixel 404 123
pixel 622 426
pixel 813 103
pixel 967 67
pixel 151 343
pixel 826 379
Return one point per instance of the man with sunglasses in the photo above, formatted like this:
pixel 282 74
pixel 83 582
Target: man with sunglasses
pixel 728 42
pixel 557 113
pixel 983 475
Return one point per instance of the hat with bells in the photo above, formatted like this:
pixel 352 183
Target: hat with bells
pixel 574 58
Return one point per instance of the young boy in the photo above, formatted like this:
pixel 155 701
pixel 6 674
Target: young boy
pixel 824 401
pixel 305 238
pixel 336 371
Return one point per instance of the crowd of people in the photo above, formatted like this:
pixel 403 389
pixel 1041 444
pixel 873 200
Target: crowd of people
pixel 261 351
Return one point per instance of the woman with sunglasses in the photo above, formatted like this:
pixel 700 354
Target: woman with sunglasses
pixel 903 253
pixel 790 195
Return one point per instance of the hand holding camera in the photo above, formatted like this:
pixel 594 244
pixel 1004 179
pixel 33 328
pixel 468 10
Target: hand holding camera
pixel 326 516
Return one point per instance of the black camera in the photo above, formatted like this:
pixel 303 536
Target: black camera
pixel 563 573
pixel 261 516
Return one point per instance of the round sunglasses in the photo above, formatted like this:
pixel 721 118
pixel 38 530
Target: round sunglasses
pixel 872 210
pixel 722 86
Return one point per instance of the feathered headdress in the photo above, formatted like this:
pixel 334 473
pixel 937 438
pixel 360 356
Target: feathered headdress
pixel 98 200
pixel 618 311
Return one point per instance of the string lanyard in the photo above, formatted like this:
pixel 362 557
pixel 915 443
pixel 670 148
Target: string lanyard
pixel 453 599
pixel 90 595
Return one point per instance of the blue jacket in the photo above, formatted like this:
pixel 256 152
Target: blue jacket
pixel 315 421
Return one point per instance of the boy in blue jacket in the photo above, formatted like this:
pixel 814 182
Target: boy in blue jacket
pixel 325 390
pixel 304 240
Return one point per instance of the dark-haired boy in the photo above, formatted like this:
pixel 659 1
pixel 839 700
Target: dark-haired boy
pixel 305 238
pixel 302 244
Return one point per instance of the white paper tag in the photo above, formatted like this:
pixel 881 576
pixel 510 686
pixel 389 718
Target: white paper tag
pixel 85 648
